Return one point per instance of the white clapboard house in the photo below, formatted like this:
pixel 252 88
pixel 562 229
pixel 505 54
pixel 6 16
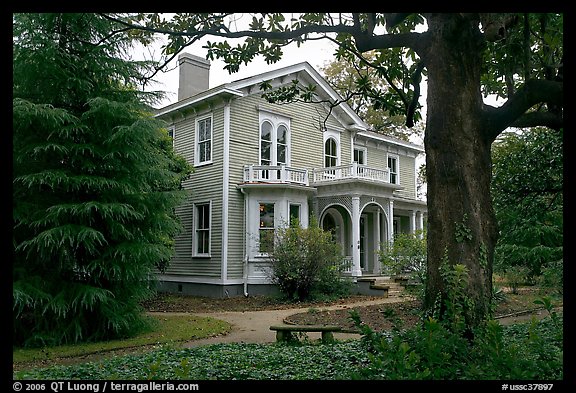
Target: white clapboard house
pixel 257 165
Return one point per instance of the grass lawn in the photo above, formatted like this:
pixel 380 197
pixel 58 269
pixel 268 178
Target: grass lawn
pixel 167 329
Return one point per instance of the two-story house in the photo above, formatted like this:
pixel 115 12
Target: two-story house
pixel 257 165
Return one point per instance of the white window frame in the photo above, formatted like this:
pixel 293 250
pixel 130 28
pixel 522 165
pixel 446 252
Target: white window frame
pixel 195 236
pixel 336 136
pixel 290 204
pixel 273 229
pixel 397 173
pixel 276 120
pixel 199 119
pixel 172 134
pixel 363 150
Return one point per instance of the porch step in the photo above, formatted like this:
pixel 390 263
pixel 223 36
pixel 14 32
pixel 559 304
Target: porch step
pixel 379 286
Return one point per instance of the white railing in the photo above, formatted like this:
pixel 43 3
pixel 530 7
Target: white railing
pixel 275 174
pixel 351 171
pixel 347 265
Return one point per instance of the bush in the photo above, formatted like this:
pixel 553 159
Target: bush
pixel 306 262
pixel 406 255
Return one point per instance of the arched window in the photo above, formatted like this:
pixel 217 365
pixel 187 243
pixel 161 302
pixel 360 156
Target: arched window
pixel 266 143
pixel 274 140
pixel 330 153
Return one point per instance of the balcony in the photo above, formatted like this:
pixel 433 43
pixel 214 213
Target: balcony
pixel 274 174
pixel 284 175
pixel 350 171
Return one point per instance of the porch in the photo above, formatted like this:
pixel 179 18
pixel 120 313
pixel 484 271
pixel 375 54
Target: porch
pixel 355 202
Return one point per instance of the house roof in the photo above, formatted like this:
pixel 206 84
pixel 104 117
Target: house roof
pixel 304 71
pixel 392 140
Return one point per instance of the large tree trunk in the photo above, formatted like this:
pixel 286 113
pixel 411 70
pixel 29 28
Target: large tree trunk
pixel 462 225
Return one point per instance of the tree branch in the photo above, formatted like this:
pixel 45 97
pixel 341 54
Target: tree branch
pixel 533 92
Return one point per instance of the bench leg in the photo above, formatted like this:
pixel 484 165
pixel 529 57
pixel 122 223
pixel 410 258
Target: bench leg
pixel 327 337
pixel 283 336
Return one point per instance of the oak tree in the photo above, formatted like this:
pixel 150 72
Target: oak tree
pixel 465 57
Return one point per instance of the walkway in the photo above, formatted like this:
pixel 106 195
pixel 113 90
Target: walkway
pixel 254 326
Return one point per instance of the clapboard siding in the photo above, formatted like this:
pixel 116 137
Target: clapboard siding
pixel 205 184
pixel 376 157
pixel 407 166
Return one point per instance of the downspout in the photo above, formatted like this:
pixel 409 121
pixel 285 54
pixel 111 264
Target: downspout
pixel 245 243
pixel 225 192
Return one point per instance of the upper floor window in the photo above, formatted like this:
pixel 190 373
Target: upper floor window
pixel 203 141
pixel 171 134
pixel 330 153
pixel 274 141
pixel 393 168
pixel 360 155
pixel 202 223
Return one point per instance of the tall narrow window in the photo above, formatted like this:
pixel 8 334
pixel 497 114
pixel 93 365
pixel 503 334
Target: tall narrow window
pixel 203 141
pixel 281 143
pixel 266 143
pixel 360 156
pixel 171 134
pixel 202 229
pixel 266 228
pixel 294 215
pixel 330 153
pixel 393 168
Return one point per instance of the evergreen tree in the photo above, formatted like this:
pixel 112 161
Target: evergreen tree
pixel 95 182
pixel 527 190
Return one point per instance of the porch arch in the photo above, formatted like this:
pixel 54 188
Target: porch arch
pixel 336 217
pixel 374 228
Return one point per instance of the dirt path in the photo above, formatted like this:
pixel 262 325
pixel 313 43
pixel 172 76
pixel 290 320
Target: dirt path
pixel 254 326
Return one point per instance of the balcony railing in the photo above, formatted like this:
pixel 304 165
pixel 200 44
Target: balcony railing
pixel 279 174
pixel 350 171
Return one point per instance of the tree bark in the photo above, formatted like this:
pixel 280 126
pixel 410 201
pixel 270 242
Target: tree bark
pixel 462 226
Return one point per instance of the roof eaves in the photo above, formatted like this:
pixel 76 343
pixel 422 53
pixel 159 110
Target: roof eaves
pixel 223 91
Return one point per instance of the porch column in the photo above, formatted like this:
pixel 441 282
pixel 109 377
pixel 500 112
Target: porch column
pixel 356 271
pixel 413 222
pixel 377 268
pixel 391 222
pixel 420 217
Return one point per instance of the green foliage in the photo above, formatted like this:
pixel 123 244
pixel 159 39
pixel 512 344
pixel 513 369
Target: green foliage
pixel 95 183
pixel 527 190
pixel 163 330
pixel 306 262
pixel 406 255
pixel 553 276
pixel 456 302
pixel 304 361
pixel 355 75
pixel 530 50
pixel 516 276
pixel 527 351
pixel 530 351
pixel 462 230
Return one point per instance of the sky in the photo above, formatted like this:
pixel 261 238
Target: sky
pixel 318 53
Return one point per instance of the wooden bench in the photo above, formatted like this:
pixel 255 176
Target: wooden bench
pixel 284 332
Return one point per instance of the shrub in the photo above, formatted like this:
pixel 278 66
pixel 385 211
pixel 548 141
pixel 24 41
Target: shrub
pixel 306 261
pixel 406 255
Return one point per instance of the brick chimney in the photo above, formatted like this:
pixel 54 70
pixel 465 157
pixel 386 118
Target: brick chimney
pixel 194 75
